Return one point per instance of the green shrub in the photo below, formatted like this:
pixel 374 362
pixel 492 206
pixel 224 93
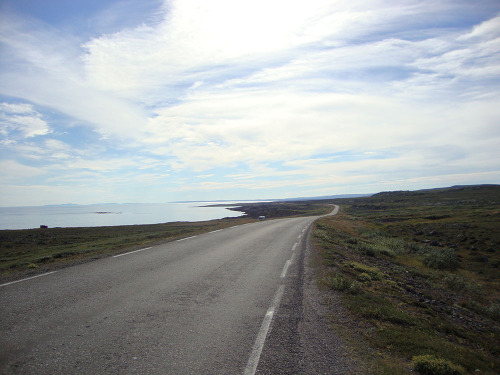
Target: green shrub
pixel 364 277
pixel 342 284
pixel 413 248
pixel 336 283
pixel 456 282
pixel 339 283
pixel 430 365
pixel 352 240
pixel 374 249
pixel 373 272
pixel 441 259
pixel 368 233
pixel 396 245
pixel 388 252
pixel 365 248
pixel 322 235
pixel 354 287
pixel 385 311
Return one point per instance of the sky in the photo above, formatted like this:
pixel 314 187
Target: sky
pixel 160 101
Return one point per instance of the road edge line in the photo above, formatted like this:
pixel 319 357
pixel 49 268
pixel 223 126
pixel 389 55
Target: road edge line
pixel 253 360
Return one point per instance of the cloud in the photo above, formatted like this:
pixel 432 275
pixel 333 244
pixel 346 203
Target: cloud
pixel 489 29
pixel 124 14
pixel 43 66
pixel 264 126
pixel 266 95
pixel 23 119
pixel 16 108
pixel 199 41
pixel 12 170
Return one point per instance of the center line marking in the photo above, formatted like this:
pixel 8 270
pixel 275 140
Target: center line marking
pixel 131 252
pixel 253 361
pixel 184 239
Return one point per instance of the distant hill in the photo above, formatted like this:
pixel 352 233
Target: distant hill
pixel 302 199
pixel 457 193
pixel 322 197
pixel 453 190
pixel 459 189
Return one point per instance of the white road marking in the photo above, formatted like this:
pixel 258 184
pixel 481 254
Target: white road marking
pixel 28 278
pixel 285 269
pixel 288 263
pixel 184 239
pixel 131 252
pixel 253 361
pixel 214 231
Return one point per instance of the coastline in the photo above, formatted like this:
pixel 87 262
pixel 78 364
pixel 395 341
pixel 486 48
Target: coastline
pixel 99 215
pixel 30 252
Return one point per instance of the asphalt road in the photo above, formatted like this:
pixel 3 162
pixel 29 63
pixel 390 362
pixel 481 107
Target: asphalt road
pixel 201 305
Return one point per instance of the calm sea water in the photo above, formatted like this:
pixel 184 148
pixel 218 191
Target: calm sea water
pixel 108 214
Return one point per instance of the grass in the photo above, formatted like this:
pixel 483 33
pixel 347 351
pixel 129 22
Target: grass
pixel 428 364
pixel 37 250
pixel 31 251
pixel 418 272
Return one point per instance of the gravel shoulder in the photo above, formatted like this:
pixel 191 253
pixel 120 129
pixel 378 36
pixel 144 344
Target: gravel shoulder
pixel 325 351
pixel 301 340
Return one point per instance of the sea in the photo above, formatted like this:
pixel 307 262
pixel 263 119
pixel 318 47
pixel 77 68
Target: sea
pixel 98 215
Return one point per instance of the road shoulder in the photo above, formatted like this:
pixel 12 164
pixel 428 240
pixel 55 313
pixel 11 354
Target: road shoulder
pixel 324 350
pixel 300 340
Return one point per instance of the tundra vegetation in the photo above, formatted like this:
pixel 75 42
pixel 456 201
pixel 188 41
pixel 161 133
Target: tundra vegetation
pixel 32 251
pixel 417 274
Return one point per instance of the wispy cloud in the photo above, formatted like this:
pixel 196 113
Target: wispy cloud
pixel 231 97
pixel 43 67
pixel 22 119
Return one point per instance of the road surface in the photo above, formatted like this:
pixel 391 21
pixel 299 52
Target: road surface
pixel 201 305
